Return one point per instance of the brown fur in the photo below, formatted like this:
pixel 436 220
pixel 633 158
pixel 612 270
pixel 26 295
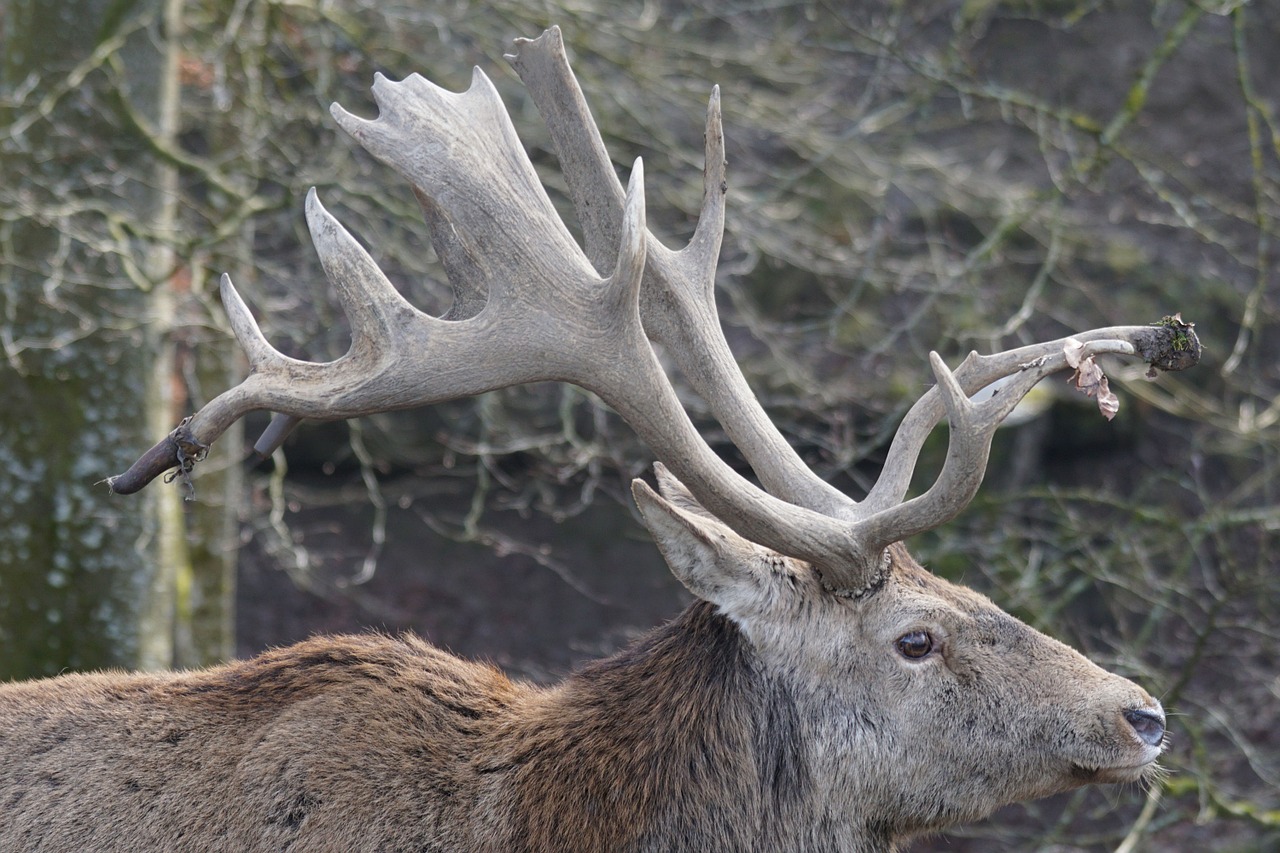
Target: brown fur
pixel 373 743
pixel 714 732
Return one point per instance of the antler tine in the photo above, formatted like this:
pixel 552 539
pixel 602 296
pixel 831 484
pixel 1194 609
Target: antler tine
pixel 885 517
pixel 977 372
pixel 584 161
pixel 259 353
pixel 466 274
pixel 244 327
pixel 678 297
pixel 372 304
pixel 972 427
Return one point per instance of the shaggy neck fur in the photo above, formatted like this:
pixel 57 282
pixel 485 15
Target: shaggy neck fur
pixel 678 743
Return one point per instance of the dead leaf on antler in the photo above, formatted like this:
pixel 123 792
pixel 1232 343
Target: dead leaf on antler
pixel 1089 378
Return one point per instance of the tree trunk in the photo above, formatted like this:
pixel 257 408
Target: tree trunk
pixel 86 231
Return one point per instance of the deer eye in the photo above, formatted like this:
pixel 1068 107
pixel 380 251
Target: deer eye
pixel 915 644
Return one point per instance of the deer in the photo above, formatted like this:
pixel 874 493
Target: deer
pixel 823 691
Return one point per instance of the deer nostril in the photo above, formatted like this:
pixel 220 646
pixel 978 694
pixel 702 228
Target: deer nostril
pixel 1149 725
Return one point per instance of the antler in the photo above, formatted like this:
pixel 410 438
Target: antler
pixel 531 306
pixel 677 296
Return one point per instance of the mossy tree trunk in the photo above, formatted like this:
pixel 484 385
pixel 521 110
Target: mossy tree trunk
pixel 88 212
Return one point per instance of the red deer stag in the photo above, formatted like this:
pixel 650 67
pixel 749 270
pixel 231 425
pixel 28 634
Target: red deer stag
pixel 824 693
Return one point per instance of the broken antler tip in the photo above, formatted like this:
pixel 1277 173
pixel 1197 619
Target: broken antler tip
pixel 275 434
pixel 160 458
pixel 1173 346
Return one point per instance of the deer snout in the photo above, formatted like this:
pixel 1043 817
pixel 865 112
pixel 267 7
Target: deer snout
pixel 1147 724
pixel 1137 734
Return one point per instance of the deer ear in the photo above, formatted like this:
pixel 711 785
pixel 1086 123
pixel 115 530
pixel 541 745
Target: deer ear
pixel 677 494
pixel 713 562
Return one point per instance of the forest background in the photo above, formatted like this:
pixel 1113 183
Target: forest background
pixel 904 176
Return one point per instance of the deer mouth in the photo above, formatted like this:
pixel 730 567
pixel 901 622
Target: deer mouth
pixel 1125 773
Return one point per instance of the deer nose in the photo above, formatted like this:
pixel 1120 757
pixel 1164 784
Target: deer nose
pixel 1149 725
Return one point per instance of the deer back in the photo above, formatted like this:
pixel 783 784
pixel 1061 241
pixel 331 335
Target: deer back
pixel 337 741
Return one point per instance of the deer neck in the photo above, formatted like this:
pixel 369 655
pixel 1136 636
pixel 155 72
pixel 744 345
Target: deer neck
pixel 680 742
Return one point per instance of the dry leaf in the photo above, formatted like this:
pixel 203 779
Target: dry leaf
pixel 1072 349
pixel 1089 378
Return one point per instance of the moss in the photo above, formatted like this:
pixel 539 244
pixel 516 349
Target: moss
pixel 1183 338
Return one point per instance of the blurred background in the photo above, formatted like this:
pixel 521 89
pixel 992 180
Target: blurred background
pixel 903 177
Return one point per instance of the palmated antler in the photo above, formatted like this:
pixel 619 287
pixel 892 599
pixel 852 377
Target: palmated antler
pixel 531 306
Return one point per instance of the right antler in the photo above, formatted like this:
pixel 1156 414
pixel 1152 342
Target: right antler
pixel 531 307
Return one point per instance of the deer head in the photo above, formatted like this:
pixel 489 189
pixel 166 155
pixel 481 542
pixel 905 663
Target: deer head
pixel 912 703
